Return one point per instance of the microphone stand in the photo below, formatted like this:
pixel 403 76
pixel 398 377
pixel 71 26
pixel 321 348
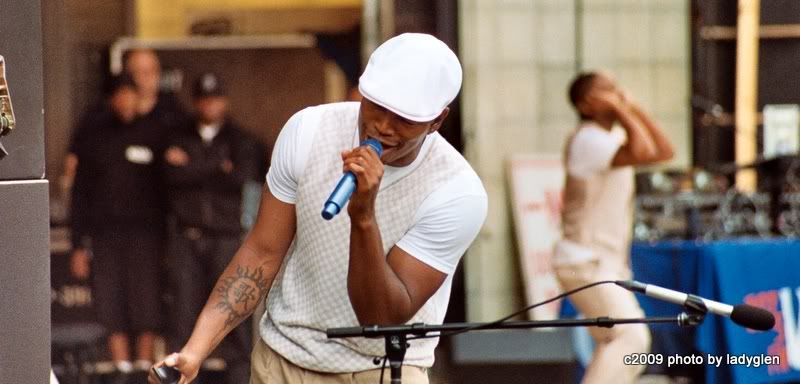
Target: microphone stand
pixel 396 336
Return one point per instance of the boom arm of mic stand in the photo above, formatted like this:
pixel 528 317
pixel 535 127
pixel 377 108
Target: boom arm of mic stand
pixel 396 336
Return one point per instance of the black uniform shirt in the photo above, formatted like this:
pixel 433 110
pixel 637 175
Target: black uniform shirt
pixel 201 193
pixel 117 182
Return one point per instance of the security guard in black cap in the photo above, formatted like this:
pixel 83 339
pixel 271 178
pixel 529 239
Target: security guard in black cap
pixel 206 164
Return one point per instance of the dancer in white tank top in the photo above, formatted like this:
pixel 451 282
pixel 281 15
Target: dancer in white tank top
pixel 614 135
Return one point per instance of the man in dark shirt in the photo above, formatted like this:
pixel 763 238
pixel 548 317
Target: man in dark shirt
pixel 163 108
pixel 206 165
pixel 117 218
pixel 156 113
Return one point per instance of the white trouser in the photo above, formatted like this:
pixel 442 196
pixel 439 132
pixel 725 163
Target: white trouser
pixel 611 344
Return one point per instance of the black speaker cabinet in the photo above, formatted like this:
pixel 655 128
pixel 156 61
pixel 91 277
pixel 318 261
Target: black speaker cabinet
pixel 24 216
pixel 24 282
pixel 21 48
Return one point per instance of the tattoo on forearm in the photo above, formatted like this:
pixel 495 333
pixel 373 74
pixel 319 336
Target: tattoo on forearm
pixel 240 293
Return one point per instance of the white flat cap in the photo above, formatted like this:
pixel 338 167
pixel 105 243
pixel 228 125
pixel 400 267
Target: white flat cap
pixel 413 75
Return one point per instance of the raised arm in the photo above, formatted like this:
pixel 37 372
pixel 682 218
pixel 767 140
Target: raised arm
pixel 391 288
pixel 664 149
pixel 639 148
pixel 646 143
pixel 383 289
pixel 386 290
pixel 244 283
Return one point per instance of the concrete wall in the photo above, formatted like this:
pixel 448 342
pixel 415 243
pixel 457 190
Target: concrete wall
pixel 518 57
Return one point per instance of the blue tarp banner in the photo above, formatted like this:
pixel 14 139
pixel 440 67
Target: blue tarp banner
pixel 761 273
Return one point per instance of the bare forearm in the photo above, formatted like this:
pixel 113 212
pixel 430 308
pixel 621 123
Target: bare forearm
pixel 243 284
pixel 376 292
pixel 664 149
pixel 640 141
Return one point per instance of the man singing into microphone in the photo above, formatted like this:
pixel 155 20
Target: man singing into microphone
pixel 388 260
pixel 614 134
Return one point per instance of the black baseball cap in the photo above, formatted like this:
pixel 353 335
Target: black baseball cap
pixel 208 84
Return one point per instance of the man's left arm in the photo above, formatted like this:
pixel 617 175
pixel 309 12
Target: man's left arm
pixel 244 162
pixel 390 289
pixel 383 289
pixel 664 150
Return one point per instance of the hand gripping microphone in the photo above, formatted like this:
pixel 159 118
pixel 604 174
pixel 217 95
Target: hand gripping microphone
pixel 347 184
pixel 745 315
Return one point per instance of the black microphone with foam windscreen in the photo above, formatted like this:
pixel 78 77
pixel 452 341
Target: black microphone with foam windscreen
pixel 346 186
pixel 745 315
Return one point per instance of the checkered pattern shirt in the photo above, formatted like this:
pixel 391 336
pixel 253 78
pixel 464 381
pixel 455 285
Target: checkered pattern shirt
pixel 309 294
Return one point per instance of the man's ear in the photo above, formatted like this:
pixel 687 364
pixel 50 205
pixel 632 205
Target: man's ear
pixel 437 122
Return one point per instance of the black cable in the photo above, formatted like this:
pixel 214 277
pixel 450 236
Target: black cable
pixel 383 368
pixel 526 309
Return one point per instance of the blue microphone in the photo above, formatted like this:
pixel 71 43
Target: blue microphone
pixel 346 186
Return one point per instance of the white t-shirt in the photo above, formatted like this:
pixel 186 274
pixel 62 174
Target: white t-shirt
pixel 208 132
pixel 593 149
pixel 446 222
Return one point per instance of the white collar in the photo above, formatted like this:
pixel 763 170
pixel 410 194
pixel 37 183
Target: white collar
pixel 208 131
